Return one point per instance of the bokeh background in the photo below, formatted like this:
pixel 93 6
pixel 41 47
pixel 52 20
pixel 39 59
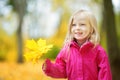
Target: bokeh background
pixel 22 20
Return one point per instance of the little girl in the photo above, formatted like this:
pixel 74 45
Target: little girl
pixel 82 57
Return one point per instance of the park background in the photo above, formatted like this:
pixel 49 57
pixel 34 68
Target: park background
pixel 22 20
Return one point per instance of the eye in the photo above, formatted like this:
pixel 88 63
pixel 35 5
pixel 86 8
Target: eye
pixel 73 24
pixel 82 24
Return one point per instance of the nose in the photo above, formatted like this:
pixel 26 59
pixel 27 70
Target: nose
pixel 77 27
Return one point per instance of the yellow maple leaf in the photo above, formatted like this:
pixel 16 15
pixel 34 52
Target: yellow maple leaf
pixel 41 42
pixel 36 49
pixel 31 44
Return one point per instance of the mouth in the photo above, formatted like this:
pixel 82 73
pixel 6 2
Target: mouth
pixel 78 33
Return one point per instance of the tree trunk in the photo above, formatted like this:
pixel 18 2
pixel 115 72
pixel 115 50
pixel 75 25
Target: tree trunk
pixel 20 7
pixel 20 40
pixel 112 43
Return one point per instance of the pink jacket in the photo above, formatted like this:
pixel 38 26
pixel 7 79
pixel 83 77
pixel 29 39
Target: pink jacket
pixel 84 63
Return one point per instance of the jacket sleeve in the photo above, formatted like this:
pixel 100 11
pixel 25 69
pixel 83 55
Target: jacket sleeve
pixel 104 72
pixel 57 69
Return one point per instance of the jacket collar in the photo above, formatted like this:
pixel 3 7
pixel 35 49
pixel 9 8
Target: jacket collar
pixel 85 45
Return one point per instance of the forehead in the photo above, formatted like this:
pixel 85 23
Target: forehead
pixel 80 17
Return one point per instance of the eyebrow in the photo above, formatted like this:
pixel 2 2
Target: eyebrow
pixel 73 24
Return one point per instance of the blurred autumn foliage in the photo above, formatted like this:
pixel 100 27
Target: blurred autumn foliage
pixel 7 47
pixel 26 71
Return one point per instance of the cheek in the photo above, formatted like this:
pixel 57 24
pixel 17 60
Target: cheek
pixel 86 30
pixel 72 29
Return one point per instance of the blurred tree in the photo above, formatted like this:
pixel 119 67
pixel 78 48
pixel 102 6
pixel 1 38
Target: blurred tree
pixel 59 36
pixel 19 7
pixel 112 41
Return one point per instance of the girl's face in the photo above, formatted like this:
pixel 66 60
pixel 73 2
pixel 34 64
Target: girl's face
pixel 80 28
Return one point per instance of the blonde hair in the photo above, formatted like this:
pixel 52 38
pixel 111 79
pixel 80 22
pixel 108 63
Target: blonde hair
pixel 94 36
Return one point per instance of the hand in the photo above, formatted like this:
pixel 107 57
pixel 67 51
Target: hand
pixel 44 66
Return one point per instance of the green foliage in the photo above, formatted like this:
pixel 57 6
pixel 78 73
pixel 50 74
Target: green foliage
pixel 98 1
pixel 4 45
pixel 2 55
pixel 117 17
pixel 7 45
pixel 18 5
pixel 52 53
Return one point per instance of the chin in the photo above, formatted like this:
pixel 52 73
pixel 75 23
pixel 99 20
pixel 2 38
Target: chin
pixel 79 38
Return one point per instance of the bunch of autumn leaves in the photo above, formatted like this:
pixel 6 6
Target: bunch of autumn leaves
pixel 36 49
